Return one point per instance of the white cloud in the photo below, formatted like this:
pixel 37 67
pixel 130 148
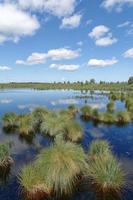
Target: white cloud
pixel 58 8
pixel 116 4
pixel 54 54
pixel 102 63
pixel 102 36
pixel 128 53
pixel 106 41
pixel 99 31
pixel 127 23
pixel 15 23
pixel 63 53
pixel 65 67
pixel 72 21
pixel 4 68
pixel 33 59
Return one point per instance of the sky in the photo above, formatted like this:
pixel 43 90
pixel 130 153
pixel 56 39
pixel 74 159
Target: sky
pixel 66 40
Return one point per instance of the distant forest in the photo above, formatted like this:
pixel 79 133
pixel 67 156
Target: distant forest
pixel 87 85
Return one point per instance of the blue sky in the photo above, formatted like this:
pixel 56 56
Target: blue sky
pixel 66 40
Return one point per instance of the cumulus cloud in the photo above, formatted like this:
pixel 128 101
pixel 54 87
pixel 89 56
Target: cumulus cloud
pixel 116 4
pixel 65 67
pixel 63 53
pixel 58 8
pixel 15 23
pixel 33 59
pixel 72 21
pixel 102 36
pixel 53 54
pixel 102 63
pixel 128 53
pixel 98 31
pixel 4 68
pixel 106 41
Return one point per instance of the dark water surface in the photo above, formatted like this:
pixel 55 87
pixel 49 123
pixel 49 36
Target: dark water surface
pixel 24 151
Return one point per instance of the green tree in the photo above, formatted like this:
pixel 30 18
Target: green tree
pixel 130 81
pixel 92 81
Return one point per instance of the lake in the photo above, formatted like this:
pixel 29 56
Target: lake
pixel 24 151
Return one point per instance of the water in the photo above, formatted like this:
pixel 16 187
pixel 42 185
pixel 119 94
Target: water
pixel 24 151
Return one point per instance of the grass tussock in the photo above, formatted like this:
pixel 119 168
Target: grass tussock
pixel 55 171
pixel 62 163
pixel 73 131
pixel 107 175
pixel 10 121
pixel 5 158
pixel 111 106
pixel 25 125
pixel 86 111
pixel 104 169
pixel 32 182
pixel 99 148
pixel 53 124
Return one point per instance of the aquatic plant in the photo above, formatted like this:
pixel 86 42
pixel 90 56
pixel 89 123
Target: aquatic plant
pixel 113 96
pixel 128 102
pixel 61 165
pixel 95 114
pixel 108 117
pixel 123 117
pixel 72 108
pixel 66 114
pixel 99 148
pixel 5 158
pixel 10 120
pixel 73 131
pixel 123 96
pixel 111 106
pixel 53 124
pixel 86 111
pixel 32 182
pixel 39 115
pixel 25 126
pixel 106 173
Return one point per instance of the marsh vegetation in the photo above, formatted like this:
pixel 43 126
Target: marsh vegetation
pixel 64 165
